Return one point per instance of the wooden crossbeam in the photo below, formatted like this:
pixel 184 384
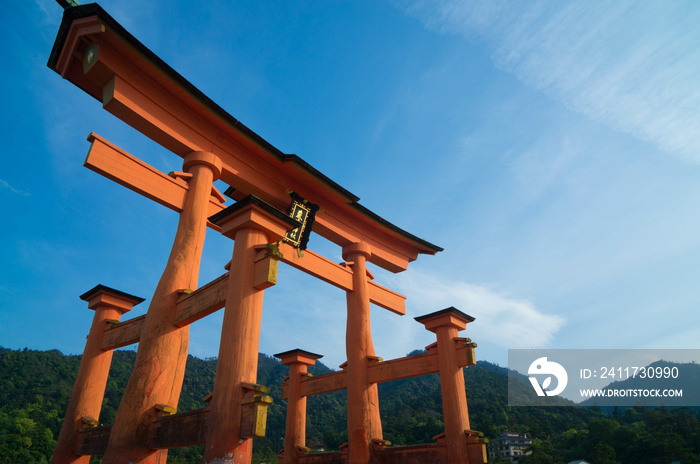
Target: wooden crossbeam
pixel 202 302
pixel 168 431
pixel 123 333
pixel 317 266
pixel 190 307
pixel 322 384
pixel 181 429
pixel 387 299
pixel 92 440
pixel 386 371
pixel 402 368
pixel 340 276
pixel 171 431
pixel 116 164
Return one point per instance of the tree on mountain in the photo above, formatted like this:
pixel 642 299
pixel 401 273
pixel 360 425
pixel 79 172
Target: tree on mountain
pixel 541 452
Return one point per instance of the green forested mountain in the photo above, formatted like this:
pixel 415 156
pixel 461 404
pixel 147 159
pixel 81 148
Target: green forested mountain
pixel 35 387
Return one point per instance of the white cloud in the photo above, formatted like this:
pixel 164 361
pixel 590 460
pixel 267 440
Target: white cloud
pixel 633 66
pixel 302 313
pixel 500 320
pixel 6 185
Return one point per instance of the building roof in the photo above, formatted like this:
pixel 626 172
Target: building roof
pixel 512 437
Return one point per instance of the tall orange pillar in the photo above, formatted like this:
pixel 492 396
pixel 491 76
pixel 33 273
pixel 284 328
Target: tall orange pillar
pixel 160 362
pixel 250 223
pixel 364 422
pixel 89 388
pixel 295 431
pixel 446 324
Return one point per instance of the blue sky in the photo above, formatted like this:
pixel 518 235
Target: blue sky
pixel 552 148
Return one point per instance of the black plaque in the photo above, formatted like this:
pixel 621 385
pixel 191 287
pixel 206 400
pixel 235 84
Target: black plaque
pixel 305 212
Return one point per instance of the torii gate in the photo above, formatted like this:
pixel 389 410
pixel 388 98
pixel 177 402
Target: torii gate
pixel 96 54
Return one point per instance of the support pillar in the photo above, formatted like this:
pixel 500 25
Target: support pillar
pixel 160 361
pixel 446 324
pixel 252 224
pixel 364 421
pixel 89 388
pixel 295 431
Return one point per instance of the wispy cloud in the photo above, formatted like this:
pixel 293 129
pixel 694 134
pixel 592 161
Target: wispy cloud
pixel 6 185
pixel 501 320
pixel 633 66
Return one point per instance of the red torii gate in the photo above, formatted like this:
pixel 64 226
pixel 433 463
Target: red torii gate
pixel 96 54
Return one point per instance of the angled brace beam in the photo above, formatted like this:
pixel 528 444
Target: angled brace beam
pixel 114 163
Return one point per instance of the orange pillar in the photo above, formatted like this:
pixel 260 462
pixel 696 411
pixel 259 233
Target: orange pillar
pixel 364 422
pixel 160 362
pixel 250 222
pixel 446 324
pixel 295 432
pixel 89 387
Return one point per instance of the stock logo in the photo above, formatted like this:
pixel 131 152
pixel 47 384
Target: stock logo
pixel 541 367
